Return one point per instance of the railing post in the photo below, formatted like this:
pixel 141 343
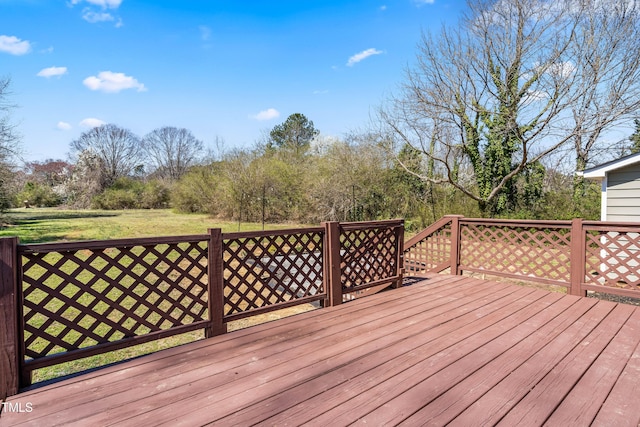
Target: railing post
pixel 577 258
pixel 332 259
pixel 215 273
pixel 9 322
pixel 400 255
pixel 455 244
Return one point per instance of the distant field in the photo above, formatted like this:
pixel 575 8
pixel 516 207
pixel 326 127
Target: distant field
pixel 37 225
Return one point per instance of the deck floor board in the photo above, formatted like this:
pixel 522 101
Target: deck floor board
pixel 444 350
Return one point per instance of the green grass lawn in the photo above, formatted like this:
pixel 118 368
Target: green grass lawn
pixel 38 225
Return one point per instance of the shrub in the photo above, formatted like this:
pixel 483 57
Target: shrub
pixel 37 195
pixel 127 193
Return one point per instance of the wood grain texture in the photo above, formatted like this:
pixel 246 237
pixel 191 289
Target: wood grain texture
pixel 9 334
pixel 446 350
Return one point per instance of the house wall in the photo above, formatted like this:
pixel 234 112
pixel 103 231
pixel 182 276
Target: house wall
pixel 623 194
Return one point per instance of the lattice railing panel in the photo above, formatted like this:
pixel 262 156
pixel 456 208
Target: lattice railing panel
pixel 613 259
pixel 431 253
pixel 368 255
pixel 82 297
pixel 534 252
pixel 271 269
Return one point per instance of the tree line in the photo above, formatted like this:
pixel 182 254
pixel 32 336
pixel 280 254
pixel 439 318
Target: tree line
pixel 493 118
pixel 294 175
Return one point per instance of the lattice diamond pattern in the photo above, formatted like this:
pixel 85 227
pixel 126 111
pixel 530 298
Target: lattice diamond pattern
pixel 613 259
pixel 523 251
pixel 270 270
pixel 367 255
pixel 429 254
pixel 76 299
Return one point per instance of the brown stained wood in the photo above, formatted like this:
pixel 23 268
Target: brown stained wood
pixel 284 370
pixel 9 314
pixel 161 294
pixel 215 285
pixel 533 251
pixel 451 403
pixel 463 365
pixel 536 407
pixel 383 390
pixel 267 271
pixel 271 339
pixel 342 363
pixel 360 225
pixel 581 405
pixel 454 256
pixel 332 264
pixel 373 369
pixel 429 250
pixel 441 223
pixel 106 244
pixel 577 260
pixel 270 233
pixel 495 403
pixel 619 408
pixel 368 255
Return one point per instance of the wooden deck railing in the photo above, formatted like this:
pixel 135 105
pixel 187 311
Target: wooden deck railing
pixel 578 255
pixel 65 301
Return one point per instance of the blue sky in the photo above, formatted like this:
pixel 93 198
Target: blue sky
pixel 220 68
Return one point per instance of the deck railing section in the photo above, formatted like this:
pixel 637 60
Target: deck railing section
pixel 431 250
pixel 272 270
pixel 65 301
pixel 578 255
pixel 536 250
pixel 612 258
pixel 370 256
pixel 87 298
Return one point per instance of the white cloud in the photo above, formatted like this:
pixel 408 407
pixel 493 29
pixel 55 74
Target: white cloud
pixel 52 72
pixel 105 4
pixel 63 126
pixel 97 14
pixel 92 122
pixel 320 92
pixel 563 69
pixel 422 2
pixel 14 46
pixel 107 81
pixel 93 17
pixel 268 114
pixel 383 7
pixel 362 55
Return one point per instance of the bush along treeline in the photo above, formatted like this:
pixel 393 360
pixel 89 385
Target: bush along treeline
pixel 295 175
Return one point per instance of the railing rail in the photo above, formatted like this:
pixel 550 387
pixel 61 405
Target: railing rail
pixel 268 271
pixel 578 255
pixel 430 250
pixel 64 301
pixel 82 299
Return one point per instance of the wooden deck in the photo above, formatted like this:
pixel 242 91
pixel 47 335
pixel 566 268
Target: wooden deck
pixel 448 349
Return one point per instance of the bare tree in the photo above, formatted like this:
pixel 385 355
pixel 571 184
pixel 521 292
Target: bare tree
pixel 9 142
pixel 603 61
pixel 86 181
pixel 9 137
pixel 172 151
pixel 495 95
pixel 119 150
